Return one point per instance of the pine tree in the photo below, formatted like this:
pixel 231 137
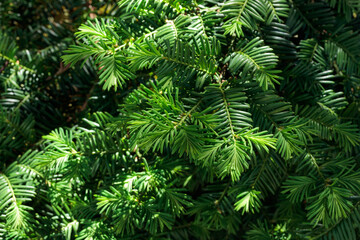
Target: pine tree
pixel 236 119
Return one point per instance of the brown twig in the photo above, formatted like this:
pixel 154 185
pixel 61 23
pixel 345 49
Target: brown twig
pixel 60 71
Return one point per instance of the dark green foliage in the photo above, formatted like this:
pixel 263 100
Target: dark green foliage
pixel 195 120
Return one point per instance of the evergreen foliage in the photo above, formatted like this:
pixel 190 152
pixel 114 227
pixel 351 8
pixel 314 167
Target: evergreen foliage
pixel 234 119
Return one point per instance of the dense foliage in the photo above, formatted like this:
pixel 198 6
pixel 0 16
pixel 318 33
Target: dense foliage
pixel 178 119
